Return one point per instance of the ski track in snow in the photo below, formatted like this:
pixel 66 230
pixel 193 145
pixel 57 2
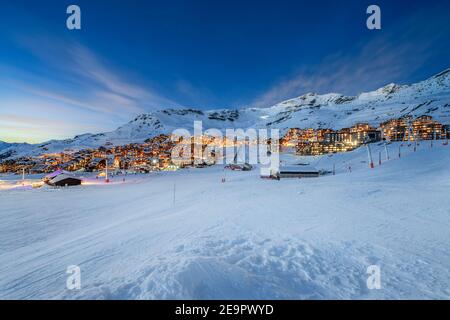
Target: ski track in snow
pixel 246 238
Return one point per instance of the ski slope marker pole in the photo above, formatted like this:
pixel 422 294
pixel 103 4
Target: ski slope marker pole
pixel 369 153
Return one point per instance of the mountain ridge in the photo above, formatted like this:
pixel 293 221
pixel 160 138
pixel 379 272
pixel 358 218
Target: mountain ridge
pixel 310 110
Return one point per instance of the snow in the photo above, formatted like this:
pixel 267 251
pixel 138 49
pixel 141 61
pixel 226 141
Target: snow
pixel 62 177
pixel 245 238
pixel 430 97
pixel 56 173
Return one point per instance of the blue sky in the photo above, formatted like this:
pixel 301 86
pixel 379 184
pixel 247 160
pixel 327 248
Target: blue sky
pixel 137 56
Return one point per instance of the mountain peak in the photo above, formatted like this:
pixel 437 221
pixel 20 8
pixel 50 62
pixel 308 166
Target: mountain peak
pixel 442 74
pixel 390 88
pixel 311 110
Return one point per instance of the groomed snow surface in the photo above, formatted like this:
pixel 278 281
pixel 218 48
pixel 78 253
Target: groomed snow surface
pixel 247 238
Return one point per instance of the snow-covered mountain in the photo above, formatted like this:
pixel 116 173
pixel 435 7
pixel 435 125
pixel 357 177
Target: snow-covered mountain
pixel 429 97
pixel 4 145
pixel 11 150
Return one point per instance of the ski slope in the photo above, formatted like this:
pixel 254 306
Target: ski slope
pixel 187 235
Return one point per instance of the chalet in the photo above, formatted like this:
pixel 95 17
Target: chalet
pixel 97 164
pixel 54 175
pixel 64 180
pixel 298 171
pixel 61 178
pixel 39 168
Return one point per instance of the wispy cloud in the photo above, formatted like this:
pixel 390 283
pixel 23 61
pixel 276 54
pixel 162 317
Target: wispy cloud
pixel 194 95
pixel 388 56
pixel 85 72
pixel 112 85
pixel 74 81
pixel 14 128
pixel 44 90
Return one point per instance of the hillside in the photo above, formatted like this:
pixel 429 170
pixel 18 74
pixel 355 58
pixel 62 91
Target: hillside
pixel 429 97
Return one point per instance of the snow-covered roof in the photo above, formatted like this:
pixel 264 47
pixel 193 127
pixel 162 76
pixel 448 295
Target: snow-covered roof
pixel 62 177
pixel 56 173
pixel 298 168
